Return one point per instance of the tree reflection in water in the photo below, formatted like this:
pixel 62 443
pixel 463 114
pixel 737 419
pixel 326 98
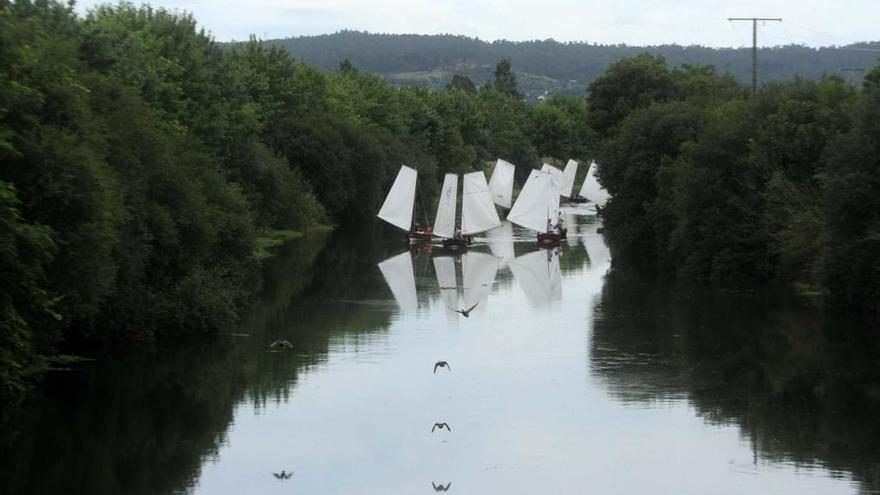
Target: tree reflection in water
pixel 804 388
pixel 146 424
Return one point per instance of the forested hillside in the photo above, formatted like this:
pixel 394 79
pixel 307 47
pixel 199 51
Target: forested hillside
pixel 550 65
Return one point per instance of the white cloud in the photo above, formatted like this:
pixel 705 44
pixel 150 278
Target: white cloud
pixel 634 22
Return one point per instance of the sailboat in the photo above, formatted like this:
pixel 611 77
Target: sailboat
pixel 501 183
pixel 592 190
pixel 398 206
pixel 537 206
pixel 477 211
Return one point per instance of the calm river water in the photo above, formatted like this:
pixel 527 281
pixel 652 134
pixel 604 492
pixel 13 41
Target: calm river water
pixel 567 377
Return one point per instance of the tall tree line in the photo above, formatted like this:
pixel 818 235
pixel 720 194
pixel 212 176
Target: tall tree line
pixel 711 184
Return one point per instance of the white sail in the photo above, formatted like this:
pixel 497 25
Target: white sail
pixel 477 211
pixel 479 270
pixel 398 274
pixel 501 183
pixel 568 176
pixel 591 188
pixel 537 202
pixel 539 276
pixel 398 206
pixel 444 268
pixel 571 237
pixel 444 223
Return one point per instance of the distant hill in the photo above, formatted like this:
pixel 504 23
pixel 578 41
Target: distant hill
pixel 552 66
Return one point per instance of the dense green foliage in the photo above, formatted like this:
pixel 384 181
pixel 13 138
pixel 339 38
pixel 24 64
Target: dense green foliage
pixel 710 184
pixel 141 163
pixel 548 65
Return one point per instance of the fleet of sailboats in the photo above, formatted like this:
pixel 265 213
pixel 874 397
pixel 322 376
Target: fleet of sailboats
pixel 536 208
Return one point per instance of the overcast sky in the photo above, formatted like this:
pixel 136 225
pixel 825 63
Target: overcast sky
pixel 634 22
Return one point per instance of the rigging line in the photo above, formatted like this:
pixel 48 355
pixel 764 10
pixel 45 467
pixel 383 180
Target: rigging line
pixel 808 29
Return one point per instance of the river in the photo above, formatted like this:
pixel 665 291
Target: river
pixel 567 377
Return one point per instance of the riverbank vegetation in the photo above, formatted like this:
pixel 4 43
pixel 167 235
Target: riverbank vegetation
pixel 712 184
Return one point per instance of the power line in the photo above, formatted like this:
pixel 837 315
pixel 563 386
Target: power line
pixel 755 44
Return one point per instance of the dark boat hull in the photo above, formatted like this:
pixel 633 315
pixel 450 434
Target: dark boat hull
pixel 419 237
pixel 456 244
pixel 549 238
pixel 577 200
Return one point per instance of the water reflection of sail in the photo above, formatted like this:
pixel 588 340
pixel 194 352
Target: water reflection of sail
pixel 479 270
pixel 398 274
pixel 539 276
pixel 572 236
pixel 501 242
pixel 444 268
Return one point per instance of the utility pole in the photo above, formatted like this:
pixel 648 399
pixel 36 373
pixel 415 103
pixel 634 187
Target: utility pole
pixel 755 44
pixel 852 74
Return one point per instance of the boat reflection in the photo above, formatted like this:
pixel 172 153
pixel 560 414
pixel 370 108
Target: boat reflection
pixel 441 487
pixel 465 282
pixel 539 276
pixel 398 274
pixel 478 275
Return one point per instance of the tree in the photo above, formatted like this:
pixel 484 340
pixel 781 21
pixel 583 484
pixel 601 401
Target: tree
pixel 505 79
pixel 627 85
pixel 25 305
pixel 463 83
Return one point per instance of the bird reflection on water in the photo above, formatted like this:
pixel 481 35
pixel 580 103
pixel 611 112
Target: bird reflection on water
pixel 440 426
pixel 440 487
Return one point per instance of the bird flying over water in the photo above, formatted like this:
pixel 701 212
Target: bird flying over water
pixel 283 475
pixel 284 344
pixel 440 487
pixel 441 364
pixel 466 312
pixel 440 426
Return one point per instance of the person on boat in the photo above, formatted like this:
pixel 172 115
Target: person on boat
pixel 559 226
pixel 549 226
pixel 457 233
